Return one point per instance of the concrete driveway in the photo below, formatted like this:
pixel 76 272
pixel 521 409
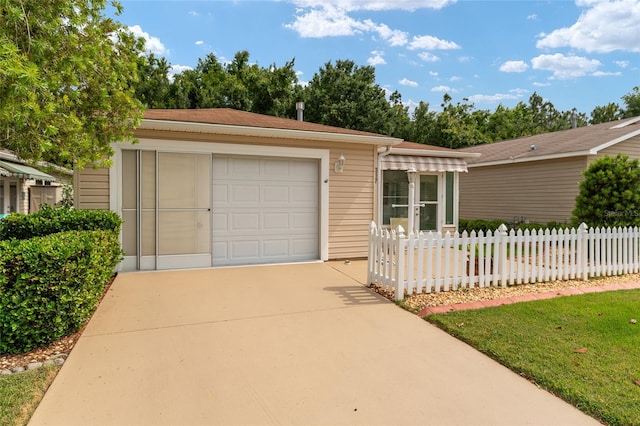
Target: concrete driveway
pixel 285 344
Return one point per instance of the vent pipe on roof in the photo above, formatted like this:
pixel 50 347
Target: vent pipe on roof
pixel 300 111
pixel 574 119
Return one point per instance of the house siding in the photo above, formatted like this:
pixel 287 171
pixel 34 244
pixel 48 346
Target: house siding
pixel 537 191
pixel 351 193
pixel 91 189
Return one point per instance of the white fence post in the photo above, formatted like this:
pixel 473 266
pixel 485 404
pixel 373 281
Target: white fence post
pixel 583 251
pixel 371 260
pixel 400 261
pixel 501 256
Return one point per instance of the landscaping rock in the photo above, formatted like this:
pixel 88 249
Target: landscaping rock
pixel 17 369
pixel 58 361
pixel 5 372
pixel 34 365
pixel 48 363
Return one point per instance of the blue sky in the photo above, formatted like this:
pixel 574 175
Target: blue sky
pixel 582 53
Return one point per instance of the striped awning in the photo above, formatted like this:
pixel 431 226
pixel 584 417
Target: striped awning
pixel 423 164
pixel 21 171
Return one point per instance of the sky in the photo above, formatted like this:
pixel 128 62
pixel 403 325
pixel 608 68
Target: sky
pixel 576 54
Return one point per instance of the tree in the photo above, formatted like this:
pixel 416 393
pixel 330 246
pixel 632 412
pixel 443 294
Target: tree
pixel 152 87
pixel 610 193
pixel 346 95
pixel 632 103
pixel 66 87
pixel 605 114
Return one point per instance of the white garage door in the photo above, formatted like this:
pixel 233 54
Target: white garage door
pixel 265 210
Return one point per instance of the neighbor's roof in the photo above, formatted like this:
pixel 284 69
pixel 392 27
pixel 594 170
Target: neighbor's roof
pixel 235 122
pixel 580 141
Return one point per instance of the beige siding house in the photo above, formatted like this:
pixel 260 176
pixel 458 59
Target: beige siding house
pixel 537 178
pixel 216 187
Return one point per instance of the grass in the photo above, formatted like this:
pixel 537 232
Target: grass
pixel 21 393
pixel 584 349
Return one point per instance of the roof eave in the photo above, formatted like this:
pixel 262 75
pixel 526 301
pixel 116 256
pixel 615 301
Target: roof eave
pixel 433 153
pixel 612 142
pixel 265 132
pixel 530 159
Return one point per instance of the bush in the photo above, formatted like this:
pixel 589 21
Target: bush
pixel 609 193
pixel 51 285
pixel 50 220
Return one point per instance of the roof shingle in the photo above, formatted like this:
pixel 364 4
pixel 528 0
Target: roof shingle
pixel 565 142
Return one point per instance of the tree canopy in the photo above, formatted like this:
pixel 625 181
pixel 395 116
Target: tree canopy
pixel 346 95
pixel 66 74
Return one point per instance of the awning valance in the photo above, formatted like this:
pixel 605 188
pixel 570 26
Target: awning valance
pixel 423 164
pixel 21 171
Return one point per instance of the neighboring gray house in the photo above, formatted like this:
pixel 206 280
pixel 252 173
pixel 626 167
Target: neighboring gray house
pixel 23 188
pixel 537 178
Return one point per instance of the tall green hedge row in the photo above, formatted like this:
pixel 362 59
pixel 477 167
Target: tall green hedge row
pixel 50 220
pixel 50 285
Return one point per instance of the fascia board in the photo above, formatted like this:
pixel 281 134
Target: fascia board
pixel 265 132
pixel 528 160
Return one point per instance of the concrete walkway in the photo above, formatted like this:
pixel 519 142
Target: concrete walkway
pixel 287 344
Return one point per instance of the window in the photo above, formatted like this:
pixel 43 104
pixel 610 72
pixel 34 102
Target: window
pixel 395 192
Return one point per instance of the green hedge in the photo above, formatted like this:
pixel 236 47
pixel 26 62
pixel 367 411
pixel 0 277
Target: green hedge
pixel 50 220
pixel 51 285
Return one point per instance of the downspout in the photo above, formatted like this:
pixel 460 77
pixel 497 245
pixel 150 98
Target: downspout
pixel 378 217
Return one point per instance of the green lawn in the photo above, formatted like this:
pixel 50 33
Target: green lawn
pixel 585 349
pixel 20 394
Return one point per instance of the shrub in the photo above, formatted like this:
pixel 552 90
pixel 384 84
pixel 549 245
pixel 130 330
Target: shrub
pixel 51 285
pixel 609 193
pixel 50 220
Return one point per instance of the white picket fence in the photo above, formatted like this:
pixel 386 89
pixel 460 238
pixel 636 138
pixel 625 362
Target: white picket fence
pixel 431 262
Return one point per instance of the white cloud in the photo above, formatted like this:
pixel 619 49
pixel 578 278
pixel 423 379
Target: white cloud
pixel 514 66
pixel 177 69
pixel 622 64
pixel 465 59
pixel 565 67
pixel 433 73
pixel 152 44
pixel 606 74
pixel 538 84
pixel 427 42
pixel 605 26
pixel 199 43
pixel 377 58
pixel 407 82
pixel 327 21
pixel 428 57
pixel 498 97
pixel 455 78
pixel 353 5
pixel 532 17
pixel 193 13
pixel 394 37
pixel 443 89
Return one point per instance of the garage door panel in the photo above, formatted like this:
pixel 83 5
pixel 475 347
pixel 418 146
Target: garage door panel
pixel 241 193
pixel 265 210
